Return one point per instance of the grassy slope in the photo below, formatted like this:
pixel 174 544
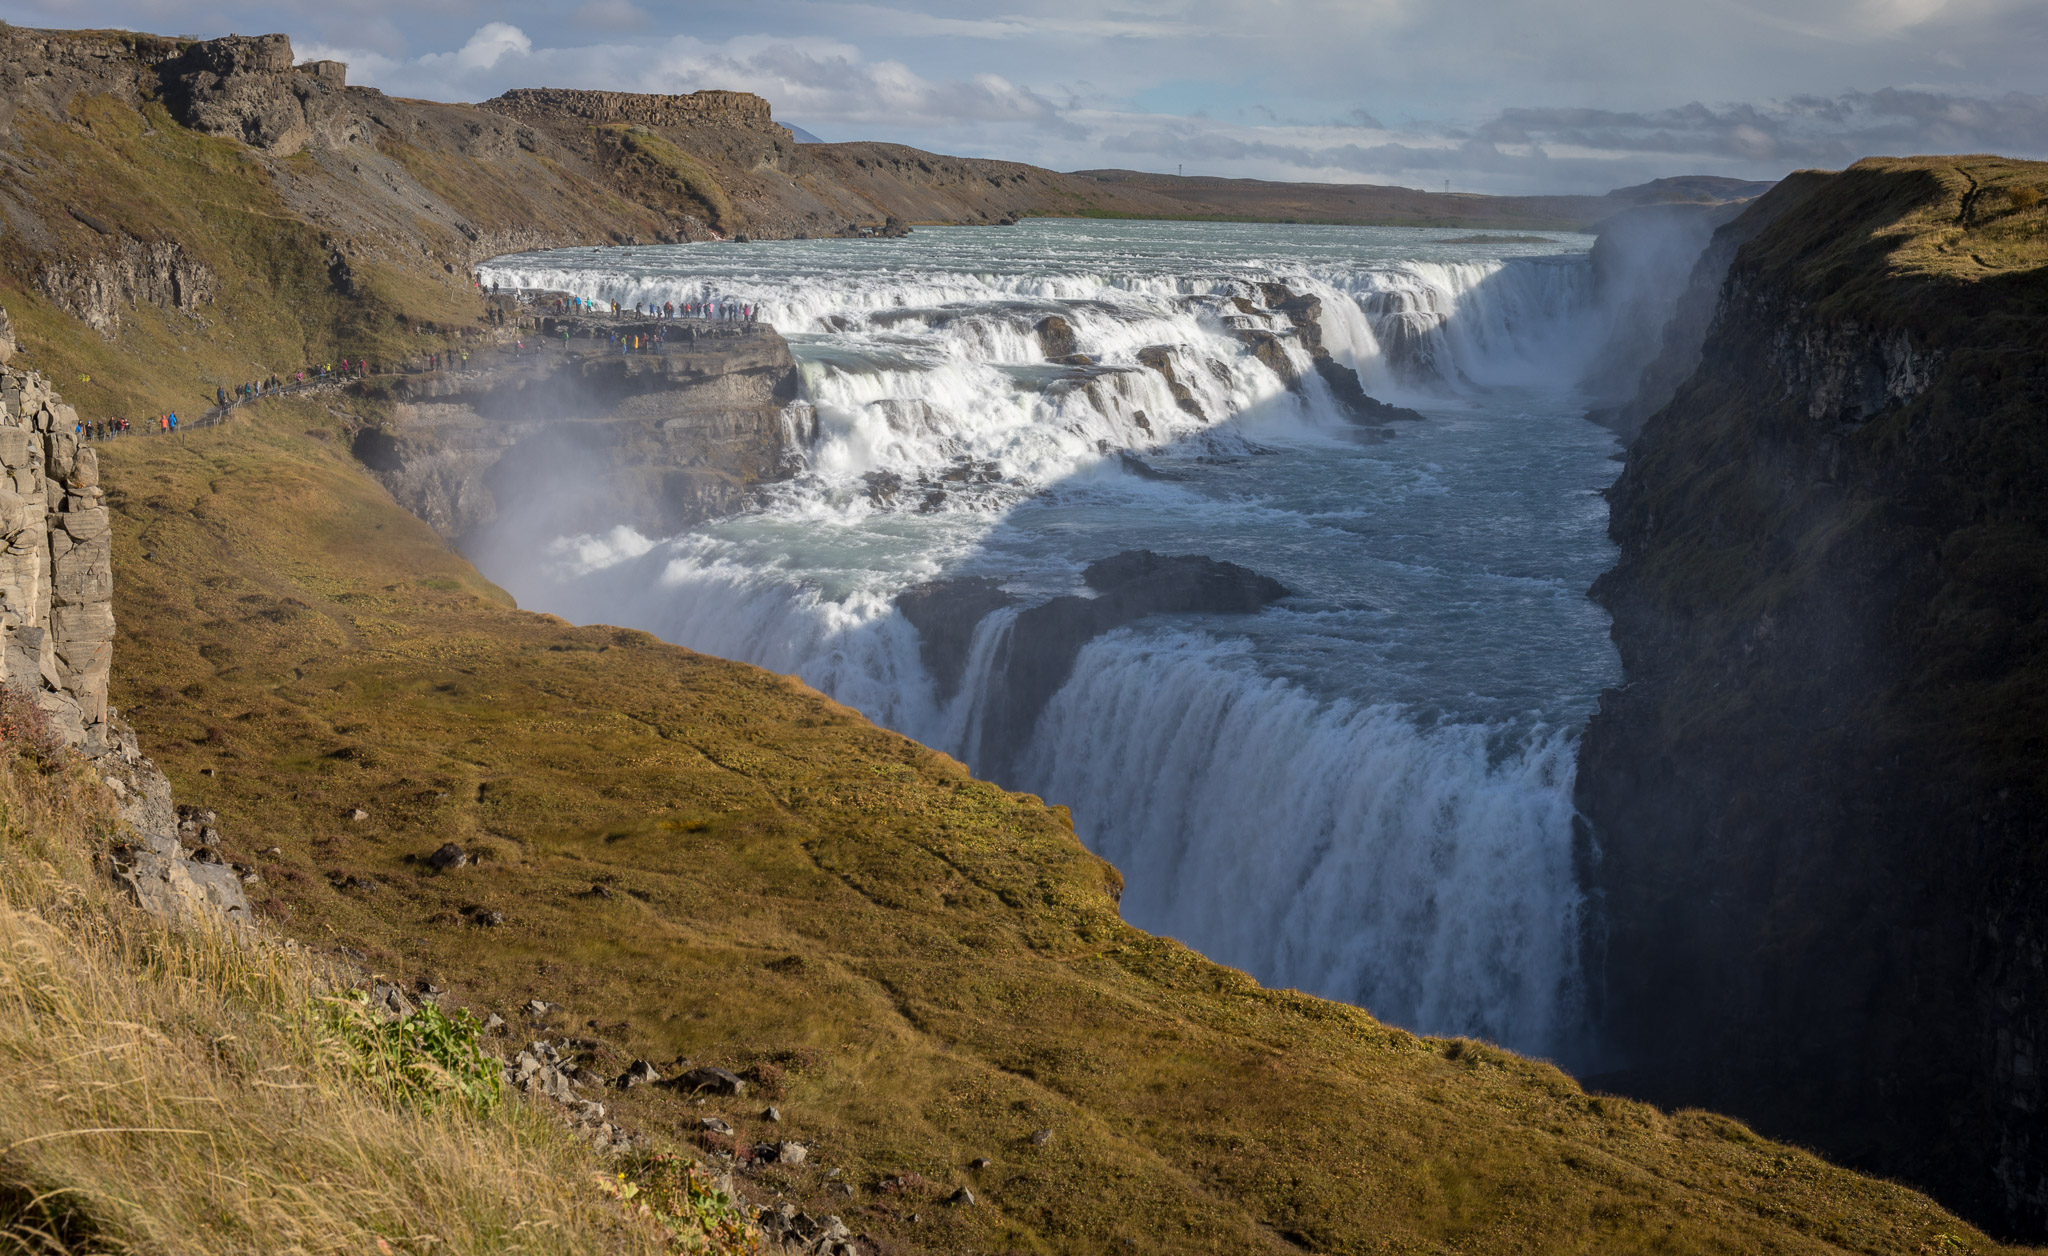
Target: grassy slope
pixel 937 965
pixel 171 1090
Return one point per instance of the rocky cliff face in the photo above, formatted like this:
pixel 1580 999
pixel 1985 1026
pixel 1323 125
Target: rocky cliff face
pixel 57 637
pixel 586 440
pixel 56 574
pixel 1815 813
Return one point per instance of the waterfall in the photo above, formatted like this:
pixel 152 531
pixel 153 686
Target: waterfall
pixel 1364 793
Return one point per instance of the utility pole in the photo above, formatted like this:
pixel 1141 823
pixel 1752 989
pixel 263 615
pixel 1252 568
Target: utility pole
pixel 1447 187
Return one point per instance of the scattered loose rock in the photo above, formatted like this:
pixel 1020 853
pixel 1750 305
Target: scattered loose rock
pixel 962 1197
pixel 1041 1138
pixel 639 1073
pixel 713 1125
pixel 449 857
pixel 772 1114
pixel 715 1080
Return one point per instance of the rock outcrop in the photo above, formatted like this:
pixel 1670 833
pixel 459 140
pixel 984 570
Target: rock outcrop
pixel 1633 260
pixel 1043 643
pixel 56 573
pixel 697 108
pixel 57 639
pixel 584 439
pixel 247 88
pixel 1816 810
pixel 96 286
pixel 1303 312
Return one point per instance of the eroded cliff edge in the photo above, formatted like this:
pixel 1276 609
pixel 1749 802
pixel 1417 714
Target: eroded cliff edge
pixel 1815 812
pixel 572 435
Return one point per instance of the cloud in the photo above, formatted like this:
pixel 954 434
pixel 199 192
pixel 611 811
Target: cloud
pixel 1497 95
pixel 1800 131
pixel 803 77
pixel 611 15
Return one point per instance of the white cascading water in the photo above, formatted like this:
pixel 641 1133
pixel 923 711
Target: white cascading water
pixel 1364 790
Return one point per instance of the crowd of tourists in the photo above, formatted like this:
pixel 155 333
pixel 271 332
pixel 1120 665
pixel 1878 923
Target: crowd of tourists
pixel 226 399
pixel 718 309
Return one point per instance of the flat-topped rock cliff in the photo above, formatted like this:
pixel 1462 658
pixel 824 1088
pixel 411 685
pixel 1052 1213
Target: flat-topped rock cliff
pixel 1816 809
pixel 518 448
pixel 646 109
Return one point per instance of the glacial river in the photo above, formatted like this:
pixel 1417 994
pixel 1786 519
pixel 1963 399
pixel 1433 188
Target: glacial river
pixel 1361 791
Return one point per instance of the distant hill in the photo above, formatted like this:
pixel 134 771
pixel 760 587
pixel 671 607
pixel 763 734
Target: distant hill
pixel 1376 204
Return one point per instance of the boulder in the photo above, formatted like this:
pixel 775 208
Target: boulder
pixel 1055 337
pixel 449 857
pixel 639 1073
pixel 716 1081
pixel 178 889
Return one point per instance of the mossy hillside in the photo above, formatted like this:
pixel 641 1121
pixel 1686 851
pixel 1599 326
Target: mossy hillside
pixel 276 306
pixel 921 969
pixel 644 156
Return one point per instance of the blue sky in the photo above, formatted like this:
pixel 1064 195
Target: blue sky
pixel 1493 95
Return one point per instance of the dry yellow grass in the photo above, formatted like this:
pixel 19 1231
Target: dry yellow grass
pixel 179 1090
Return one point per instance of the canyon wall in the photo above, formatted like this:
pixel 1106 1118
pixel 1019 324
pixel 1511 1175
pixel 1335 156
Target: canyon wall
pixel 1814 814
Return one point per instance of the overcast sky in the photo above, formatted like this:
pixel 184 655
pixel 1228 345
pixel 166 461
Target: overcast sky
pixel 1492 95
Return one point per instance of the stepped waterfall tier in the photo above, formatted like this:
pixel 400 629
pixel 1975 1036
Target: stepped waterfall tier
pixel 1362 789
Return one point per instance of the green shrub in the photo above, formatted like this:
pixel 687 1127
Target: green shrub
pixel 682 1198
pixel 423 1058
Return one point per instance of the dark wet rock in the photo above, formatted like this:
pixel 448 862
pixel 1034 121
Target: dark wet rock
pixel 1266 346
pixel 1046 639
pixel 1055 337
pixel 1352 397
pixel 945 614
pixel 884 487
pixel 1160 359
pixel 1134 465
pixel 1304 311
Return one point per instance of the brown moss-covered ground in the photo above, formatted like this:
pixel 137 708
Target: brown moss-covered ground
pixel 697 859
